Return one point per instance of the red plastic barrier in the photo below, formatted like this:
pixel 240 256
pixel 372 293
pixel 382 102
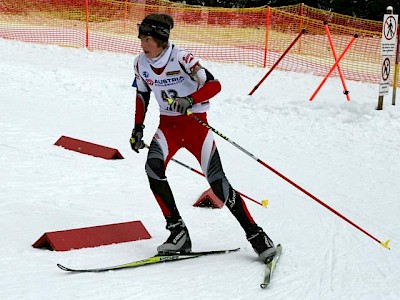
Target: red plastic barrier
pixel 209 199
pixel 92 236
pixel 88 148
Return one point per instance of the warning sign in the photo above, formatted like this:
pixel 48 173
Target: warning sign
pixel 384 83
pixel 389 35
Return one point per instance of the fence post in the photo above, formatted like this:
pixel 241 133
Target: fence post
pixel 334 66
pixel 267 22
pixel 396 69
pixel 277 62
pixel 328 33
pixel 87 23
pixel 301 23
pixel 125 14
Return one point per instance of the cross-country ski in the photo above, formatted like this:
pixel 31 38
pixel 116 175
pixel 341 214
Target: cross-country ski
pixel 149 261
pixel 270 266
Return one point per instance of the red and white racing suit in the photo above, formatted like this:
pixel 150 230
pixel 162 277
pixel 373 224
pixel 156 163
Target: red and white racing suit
pixel 182 76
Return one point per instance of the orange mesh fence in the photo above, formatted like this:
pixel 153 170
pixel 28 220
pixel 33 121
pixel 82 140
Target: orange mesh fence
pixel 253 36
pixel 333 18
pixel 313 54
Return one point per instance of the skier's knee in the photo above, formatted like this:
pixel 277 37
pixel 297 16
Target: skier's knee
pixel 221 187
pixel 224 191
pixel 155 168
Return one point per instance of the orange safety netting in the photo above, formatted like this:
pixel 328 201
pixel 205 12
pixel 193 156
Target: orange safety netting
pixel 253 36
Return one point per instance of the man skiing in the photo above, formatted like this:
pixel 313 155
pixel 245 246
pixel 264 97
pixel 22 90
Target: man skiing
pixel 180 83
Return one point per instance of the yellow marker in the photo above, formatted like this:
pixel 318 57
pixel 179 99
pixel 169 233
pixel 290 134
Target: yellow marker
pixel 265 203
pixel 386 244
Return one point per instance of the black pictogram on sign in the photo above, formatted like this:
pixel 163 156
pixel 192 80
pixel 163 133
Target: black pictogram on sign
pixel 385 69
pixel 389 29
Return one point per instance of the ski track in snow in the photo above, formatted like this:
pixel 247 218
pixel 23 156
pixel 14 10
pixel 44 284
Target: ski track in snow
pixel 345 153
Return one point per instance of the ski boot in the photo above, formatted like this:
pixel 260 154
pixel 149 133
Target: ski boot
pixel 261 243
pixel 179 239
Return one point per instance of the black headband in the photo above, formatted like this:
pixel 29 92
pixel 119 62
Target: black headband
pixel 154 28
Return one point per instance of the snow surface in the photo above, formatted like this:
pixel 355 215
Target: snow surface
pixel 345 153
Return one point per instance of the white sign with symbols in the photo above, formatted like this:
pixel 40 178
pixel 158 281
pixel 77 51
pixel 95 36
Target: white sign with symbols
pixel 389 35
pixel 384 83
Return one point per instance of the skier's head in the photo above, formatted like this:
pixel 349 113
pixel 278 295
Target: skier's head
pixel 157 26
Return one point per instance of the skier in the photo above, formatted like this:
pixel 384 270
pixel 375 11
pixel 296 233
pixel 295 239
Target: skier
pixel 180 83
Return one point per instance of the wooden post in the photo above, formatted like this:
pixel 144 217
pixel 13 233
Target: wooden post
pixel 380 103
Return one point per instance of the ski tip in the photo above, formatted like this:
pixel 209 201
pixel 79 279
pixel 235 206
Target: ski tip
pixel 265 203
pixel 62 267
pixel 386 244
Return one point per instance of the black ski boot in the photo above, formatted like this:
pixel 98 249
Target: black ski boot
pixel 261 243
pixel 179 239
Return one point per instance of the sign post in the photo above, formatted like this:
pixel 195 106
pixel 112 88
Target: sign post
pixel 396 70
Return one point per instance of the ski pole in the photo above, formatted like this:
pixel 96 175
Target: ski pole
pixel 277 62
pixel 263 203
pixel 384 244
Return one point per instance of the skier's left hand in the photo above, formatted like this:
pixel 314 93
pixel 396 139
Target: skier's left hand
pixel 182 104
pixel 136 138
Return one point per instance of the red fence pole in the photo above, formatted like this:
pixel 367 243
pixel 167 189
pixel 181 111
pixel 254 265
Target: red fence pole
pixel 267 21
pixel 334 66
pixel 277 62
pixel 301 22
pixel 345 90
pixel 87 22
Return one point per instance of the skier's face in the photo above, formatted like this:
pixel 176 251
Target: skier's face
pixel 150 46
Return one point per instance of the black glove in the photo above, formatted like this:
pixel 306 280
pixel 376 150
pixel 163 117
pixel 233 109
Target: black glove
pixel 182 104
pixel 136 138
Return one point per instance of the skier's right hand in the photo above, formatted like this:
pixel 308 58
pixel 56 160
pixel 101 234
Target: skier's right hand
pixel 182 104
pixel 136 138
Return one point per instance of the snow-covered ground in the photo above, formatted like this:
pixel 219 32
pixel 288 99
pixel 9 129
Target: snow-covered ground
pixel 345 153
